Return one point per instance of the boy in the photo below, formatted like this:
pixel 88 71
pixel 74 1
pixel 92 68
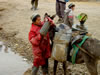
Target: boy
pixel 40 45
pixel 69 15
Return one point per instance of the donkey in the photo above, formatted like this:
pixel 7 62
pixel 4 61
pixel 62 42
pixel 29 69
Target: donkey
pixel 92 47
pixel 52 31
pixel 89 53
pixel 90 57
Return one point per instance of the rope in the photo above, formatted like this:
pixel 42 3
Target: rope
pixel 83 50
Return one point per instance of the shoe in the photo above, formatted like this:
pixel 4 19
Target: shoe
pixel 32 7
pixel 60 20
pixel 35 9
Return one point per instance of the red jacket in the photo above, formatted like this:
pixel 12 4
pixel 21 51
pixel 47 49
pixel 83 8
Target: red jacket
pixel 40 45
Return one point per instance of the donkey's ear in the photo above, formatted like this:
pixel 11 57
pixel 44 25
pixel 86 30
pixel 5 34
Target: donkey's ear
pixel 53 16
pixel 46 14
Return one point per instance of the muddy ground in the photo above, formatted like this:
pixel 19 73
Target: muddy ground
pixel 15 24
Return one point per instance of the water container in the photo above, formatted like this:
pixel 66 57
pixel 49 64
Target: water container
pixel 45 28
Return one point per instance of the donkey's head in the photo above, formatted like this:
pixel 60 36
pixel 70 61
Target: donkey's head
pixel 47 15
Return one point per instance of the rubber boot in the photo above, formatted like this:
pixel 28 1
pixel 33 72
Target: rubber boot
pixel 34 70
pixel 45 68
pixel 60 20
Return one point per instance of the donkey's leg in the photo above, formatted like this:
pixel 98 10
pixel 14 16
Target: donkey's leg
pixel 64 67
pixel 91 64
pixel 55 66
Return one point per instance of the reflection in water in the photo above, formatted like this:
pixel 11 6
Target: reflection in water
pixel 10 63
pixel 3 47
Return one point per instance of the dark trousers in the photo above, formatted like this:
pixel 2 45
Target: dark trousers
pixel 45 67
pixel 34 2
pixel 60 7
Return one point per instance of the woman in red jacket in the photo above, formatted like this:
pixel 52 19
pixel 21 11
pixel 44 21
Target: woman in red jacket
pixel 40 45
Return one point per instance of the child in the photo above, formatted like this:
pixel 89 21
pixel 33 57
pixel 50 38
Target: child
pixel 69 16
pixel 82 19
pixel 40 45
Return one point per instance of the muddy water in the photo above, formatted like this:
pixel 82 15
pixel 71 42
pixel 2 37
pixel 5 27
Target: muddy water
pixel 10 63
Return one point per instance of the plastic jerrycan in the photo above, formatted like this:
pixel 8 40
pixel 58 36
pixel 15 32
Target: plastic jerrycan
pixel 45 28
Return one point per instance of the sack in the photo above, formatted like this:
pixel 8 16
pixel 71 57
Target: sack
pixel 61 41
pixel 59 53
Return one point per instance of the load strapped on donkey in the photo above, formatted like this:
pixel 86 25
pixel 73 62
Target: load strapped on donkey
pixel 66 35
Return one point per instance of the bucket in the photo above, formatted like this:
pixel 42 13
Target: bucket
pixel 45 28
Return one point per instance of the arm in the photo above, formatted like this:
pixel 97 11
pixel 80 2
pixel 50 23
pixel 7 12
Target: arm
pixel 52 25
pixel 34 38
